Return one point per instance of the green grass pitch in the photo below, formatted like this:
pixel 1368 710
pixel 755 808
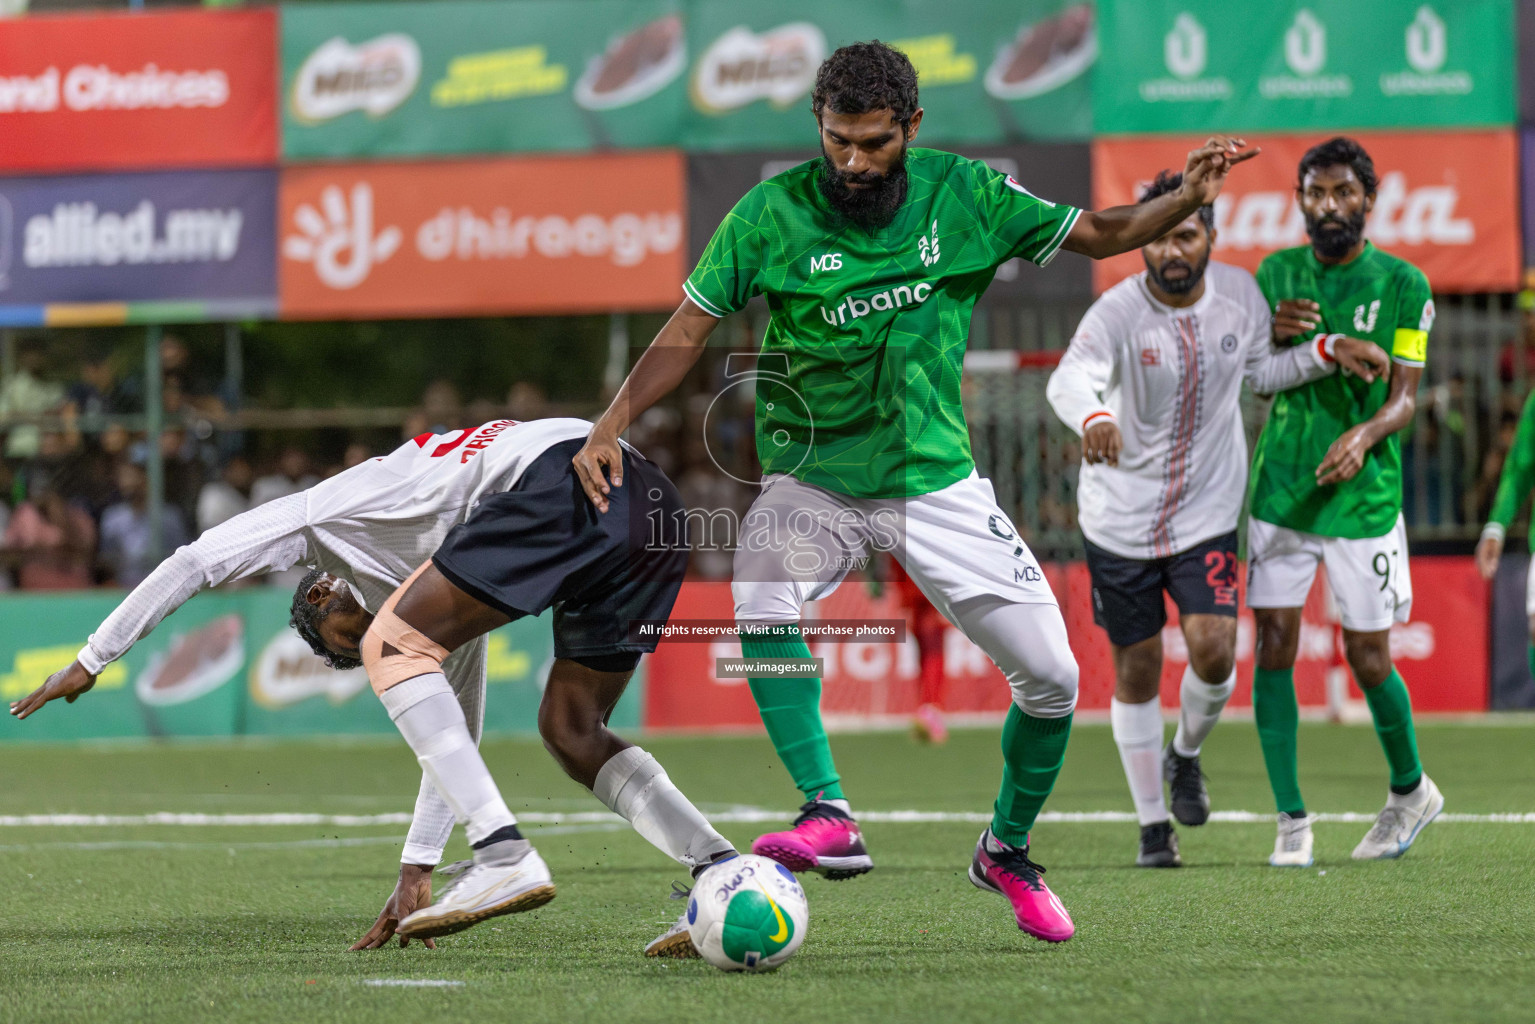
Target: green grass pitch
pixel 251 923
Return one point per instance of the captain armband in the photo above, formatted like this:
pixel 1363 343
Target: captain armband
pixel 1410 347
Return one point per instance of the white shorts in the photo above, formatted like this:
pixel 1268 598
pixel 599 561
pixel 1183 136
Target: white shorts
pixel 798 541
pixel 1529 591
pixel 1369 578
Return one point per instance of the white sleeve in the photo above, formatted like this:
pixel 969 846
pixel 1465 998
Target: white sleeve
pixel 1269 368
pixel 262 540
pixel 432 821
pixel 1078 384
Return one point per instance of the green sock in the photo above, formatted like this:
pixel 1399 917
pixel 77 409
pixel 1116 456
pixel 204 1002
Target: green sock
pixel 791 711
pixel 1278 717
pixel 1392 709
pixel 1032 752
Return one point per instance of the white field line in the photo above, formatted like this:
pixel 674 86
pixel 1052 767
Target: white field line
pixel 277 844
pixel 740 815
pixel 412 983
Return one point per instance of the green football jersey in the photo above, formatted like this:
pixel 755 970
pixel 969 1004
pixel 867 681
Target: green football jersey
pixel 1378 298
pixel 871 325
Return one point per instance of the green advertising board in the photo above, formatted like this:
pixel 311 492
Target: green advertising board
pixel 227 664
pixel 1192 66
pixel 378 80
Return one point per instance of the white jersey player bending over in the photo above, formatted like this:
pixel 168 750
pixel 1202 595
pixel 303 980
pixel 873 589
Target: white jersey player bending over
pixel 417 556
pixel 1152 381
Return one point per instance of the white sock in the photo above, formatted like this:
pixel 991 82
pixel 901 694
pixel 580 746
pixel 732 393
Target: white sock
pixel 1201 706
pixel 840 804
pixel 429 717
pixel 1138 733
pixel 633 784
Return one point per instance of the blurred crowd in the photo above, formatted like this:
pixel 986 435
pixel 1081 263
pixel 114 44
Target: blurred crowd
pixel 74 482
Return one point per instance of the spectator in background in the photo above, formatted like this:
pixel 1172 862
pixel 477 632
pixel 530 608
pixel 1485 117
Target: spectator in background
pixel 227 496
pixel 50 540
pixel 27 393
pixel 293 475
pixel 128 551
pixel 356 454
pixel 526 401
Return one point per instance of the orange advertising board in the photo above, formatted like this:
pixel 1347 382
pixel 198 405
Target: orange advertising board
pixel 577 234
pixel 1447 201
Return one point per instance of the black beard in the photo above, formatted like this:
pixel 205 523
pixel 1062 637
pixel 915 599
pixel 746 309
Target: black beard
pixel 1179 286
pixel 868 208
pixel 1335 244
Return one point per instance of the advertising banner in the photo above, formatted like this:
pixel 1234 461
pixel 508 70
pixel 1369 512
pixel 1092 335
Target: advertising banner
pixel 464 76
pixel 509 236
pixel 173 236
pixel 987 71
pixel 1442 654
pixel 227 664
pixel 1448 202
pixel 1059 172
pixel 111 91
pixel 469 76
pixel 1296 65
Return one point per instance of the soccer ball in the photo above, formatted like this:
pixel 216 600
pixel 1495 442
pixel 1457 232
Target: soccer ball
pixel 747 914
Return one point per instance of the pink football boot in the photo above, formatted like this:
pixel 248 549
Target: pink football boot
pixel 823 839
pixel 1007 871
pixel 928 725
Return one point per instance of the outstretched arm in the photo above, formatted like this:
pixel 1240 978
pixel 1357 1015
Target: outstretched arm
pixel 659 370
pixel 265 539
pixel 1346 455
pixel 1122 228
pixel 1514 485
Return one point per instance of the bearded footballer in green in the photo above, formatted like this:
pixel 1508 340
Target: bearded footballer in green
pixel 871 260
pixel 1327 488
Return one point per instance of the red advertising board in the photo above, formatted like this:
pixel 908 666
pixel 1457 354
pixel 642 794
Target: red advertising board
pixel 1448 201
pixel 113 91
pixel 1442 654
pixel 575 234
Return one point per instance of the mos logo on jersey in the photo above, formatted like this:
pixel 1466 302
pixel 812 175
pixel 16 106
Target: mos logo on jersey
pixel 1364 320
pixel 928 250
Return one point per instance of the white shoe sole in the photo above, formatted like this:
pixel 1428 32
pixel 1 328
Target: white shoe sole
pixel 1275 863
pixel 679 946
pixel 424 924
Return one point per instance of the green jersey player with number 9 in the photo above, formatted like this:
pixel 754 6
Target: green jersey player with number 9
pixel 871 260
pixel 1327 488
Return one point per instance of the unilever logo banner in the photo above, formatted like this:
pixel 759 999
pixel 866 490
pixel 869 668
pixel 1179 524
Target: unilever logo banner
pixel 178 235
pixel 1204 65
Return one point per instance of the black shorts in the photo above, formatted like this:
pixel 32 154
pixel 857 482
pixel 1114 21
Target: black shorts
pixel 1127 592
pixel 542 545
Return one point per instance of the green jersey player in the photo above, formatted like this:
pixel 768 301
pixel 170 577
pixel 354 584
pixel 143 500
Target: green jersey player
pixel 870 260
pixel 1514 486
pixel 1327 488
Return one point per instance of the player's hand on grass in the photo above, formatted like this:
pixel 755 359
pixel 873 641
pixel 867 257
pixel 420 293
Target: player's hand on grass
pixel 68 683
pixel 1102 442
pixel 1488 551
pixel 599 451
pixel 1208 166
pixel 1295 318
pixel 411 893
pixel 1345 457
pixel 1364 359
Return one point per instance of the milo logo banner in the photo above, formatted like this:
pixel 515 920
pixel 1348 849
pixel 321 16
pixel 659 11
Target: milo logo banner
pixel 461 76
pixel 465 76
pixel 227 664
pixel 1202 65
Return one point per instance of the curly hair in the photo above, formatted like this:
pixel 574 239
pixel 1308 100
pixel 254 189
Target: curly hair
pixel 1169 181
pixel 1339 151
pixel 306 618
pixel 863 77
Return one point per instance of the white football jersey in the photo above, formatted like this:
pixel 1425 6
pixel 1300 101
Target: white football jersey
pixel 1171 379
pixel 372 526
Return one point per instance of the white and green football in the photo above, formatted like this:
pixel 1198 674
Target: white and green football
pixel 747 914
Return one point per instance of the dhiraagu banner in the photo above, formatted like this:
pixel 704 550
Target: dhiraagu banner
pixel 227 664
pixel 1199 66
pixel 464 76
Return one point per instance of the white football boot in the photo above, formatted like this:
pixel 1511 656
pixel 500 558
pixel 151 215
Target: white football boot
pixel 1400 821
pixel 1293 847
pixel 483 891
pixel 676 941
